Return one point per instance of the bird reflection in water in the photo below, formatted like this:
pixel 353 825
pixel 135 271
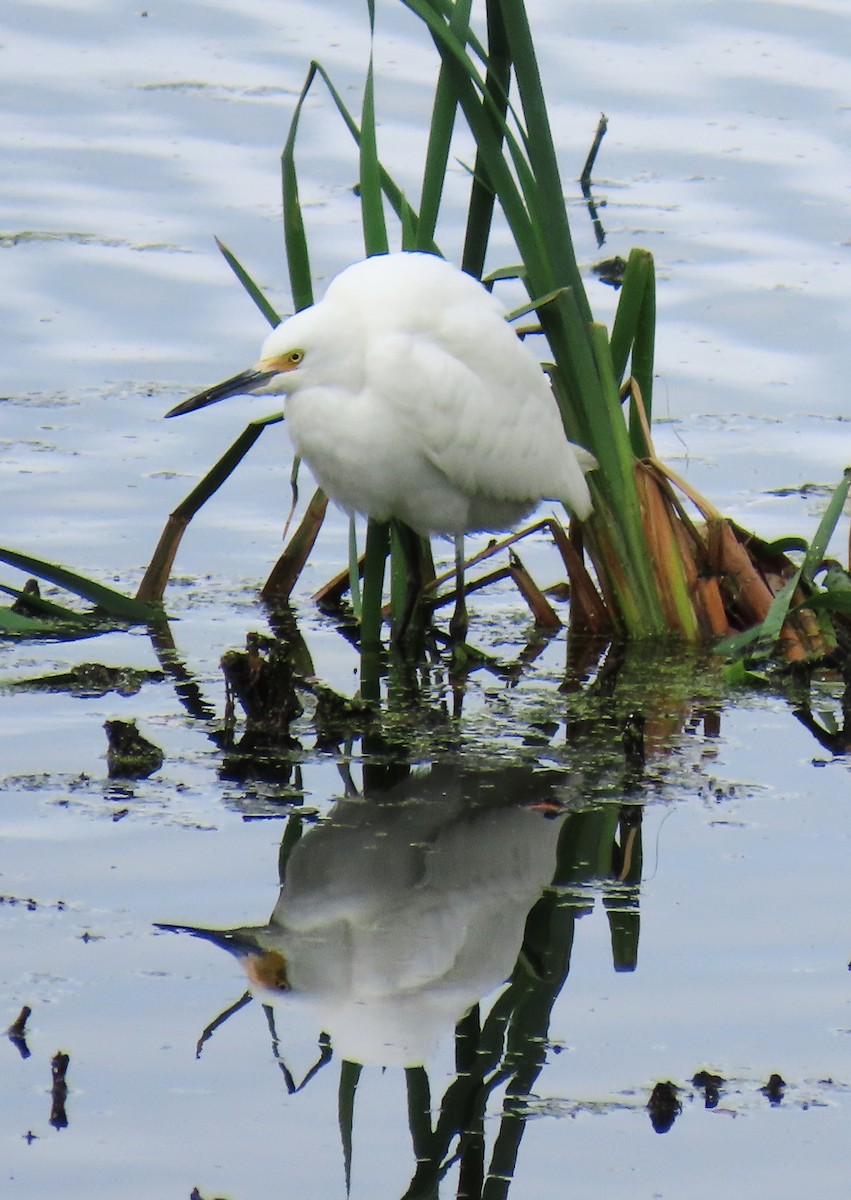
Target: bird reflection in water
pixel 399 913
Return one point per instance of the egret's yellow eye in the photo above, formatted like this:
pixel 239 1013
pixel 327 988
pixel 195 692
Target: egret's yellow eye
pixel 287 361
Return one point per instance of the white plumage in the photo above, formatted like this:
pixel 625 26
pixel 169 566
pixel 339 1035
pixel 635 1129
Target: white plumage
pixel 409 396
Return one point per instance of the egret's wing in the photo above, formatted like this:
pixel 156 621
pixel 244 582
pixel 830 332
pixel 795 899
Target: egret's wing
pixel 479 406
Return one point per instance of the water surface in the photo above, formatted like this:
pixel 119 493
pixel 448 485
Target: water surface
pixel 130 138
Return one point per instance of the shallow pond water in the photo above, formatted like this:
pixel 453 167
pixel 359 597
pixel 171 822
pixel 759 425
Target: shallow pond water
pixel 693 917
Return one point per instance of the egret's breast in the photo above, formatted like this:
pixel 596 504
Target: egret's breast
pixel 369 462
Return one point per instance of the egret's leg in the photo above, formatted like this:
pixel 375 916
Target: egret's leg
pixel 458 624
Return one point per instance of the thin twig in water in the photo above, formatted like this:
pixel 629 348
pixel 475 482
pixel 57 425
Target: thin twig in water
pixel 585 177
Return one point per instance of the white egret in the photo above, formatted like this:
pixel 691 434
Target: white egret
pixel 410 397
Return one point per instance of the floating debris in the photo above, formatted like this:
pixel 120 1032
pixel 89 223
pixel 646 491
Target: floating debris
pixel 129 754
pixel 664 1106
pixel 59 1090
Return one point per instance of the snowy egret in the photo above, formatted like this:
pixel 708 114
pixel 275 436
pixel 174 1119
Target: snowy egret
pixel 410 397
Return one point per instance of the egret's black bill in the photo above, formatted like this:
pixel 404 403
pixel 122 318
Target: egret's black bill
pixel 240 944
pixel 238 385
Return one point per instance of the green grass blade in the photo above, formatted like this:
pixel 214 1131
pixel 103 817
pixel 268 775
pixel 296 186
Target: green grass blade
pixel 375 242
pixel 45 618
pixel 634 335
pixel 468 87
pixel 158 571
pixel 513 271
pixel 760 640
pixel 440 137
pixel 628 314
pixel 830 601
pixel 827 525
pixel 611 444
pixel 268 311
pixel 482 196
pixel 114 604
pixel 225 466
pixel 295 238
pixel 354 570
pixel 411 232
pixel 19 625
pixel 535 305
pixel 514 184
pixel 398 572
pixel 45 608
pixel 783 545
pixel 395 196
pixel 644 344
pixel 551 208
pixel 375 559
pixel 584 409
pixel 371 196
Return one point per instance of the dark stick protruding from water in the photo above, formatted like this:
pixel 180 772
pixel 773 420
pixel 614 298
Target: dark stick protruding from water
pixel 585 177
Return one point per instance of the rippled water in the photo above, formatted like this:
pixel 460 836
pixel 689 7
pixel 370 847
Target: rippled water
pixel 130 137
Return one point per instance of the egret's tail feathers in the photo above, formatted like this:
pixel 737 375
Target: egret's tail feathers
pixel 575 495
pixel 579 506
pixel 585 458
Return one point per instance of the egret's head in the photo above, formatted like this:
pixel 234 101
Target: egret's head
pixel 294 354
pixel 288 355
